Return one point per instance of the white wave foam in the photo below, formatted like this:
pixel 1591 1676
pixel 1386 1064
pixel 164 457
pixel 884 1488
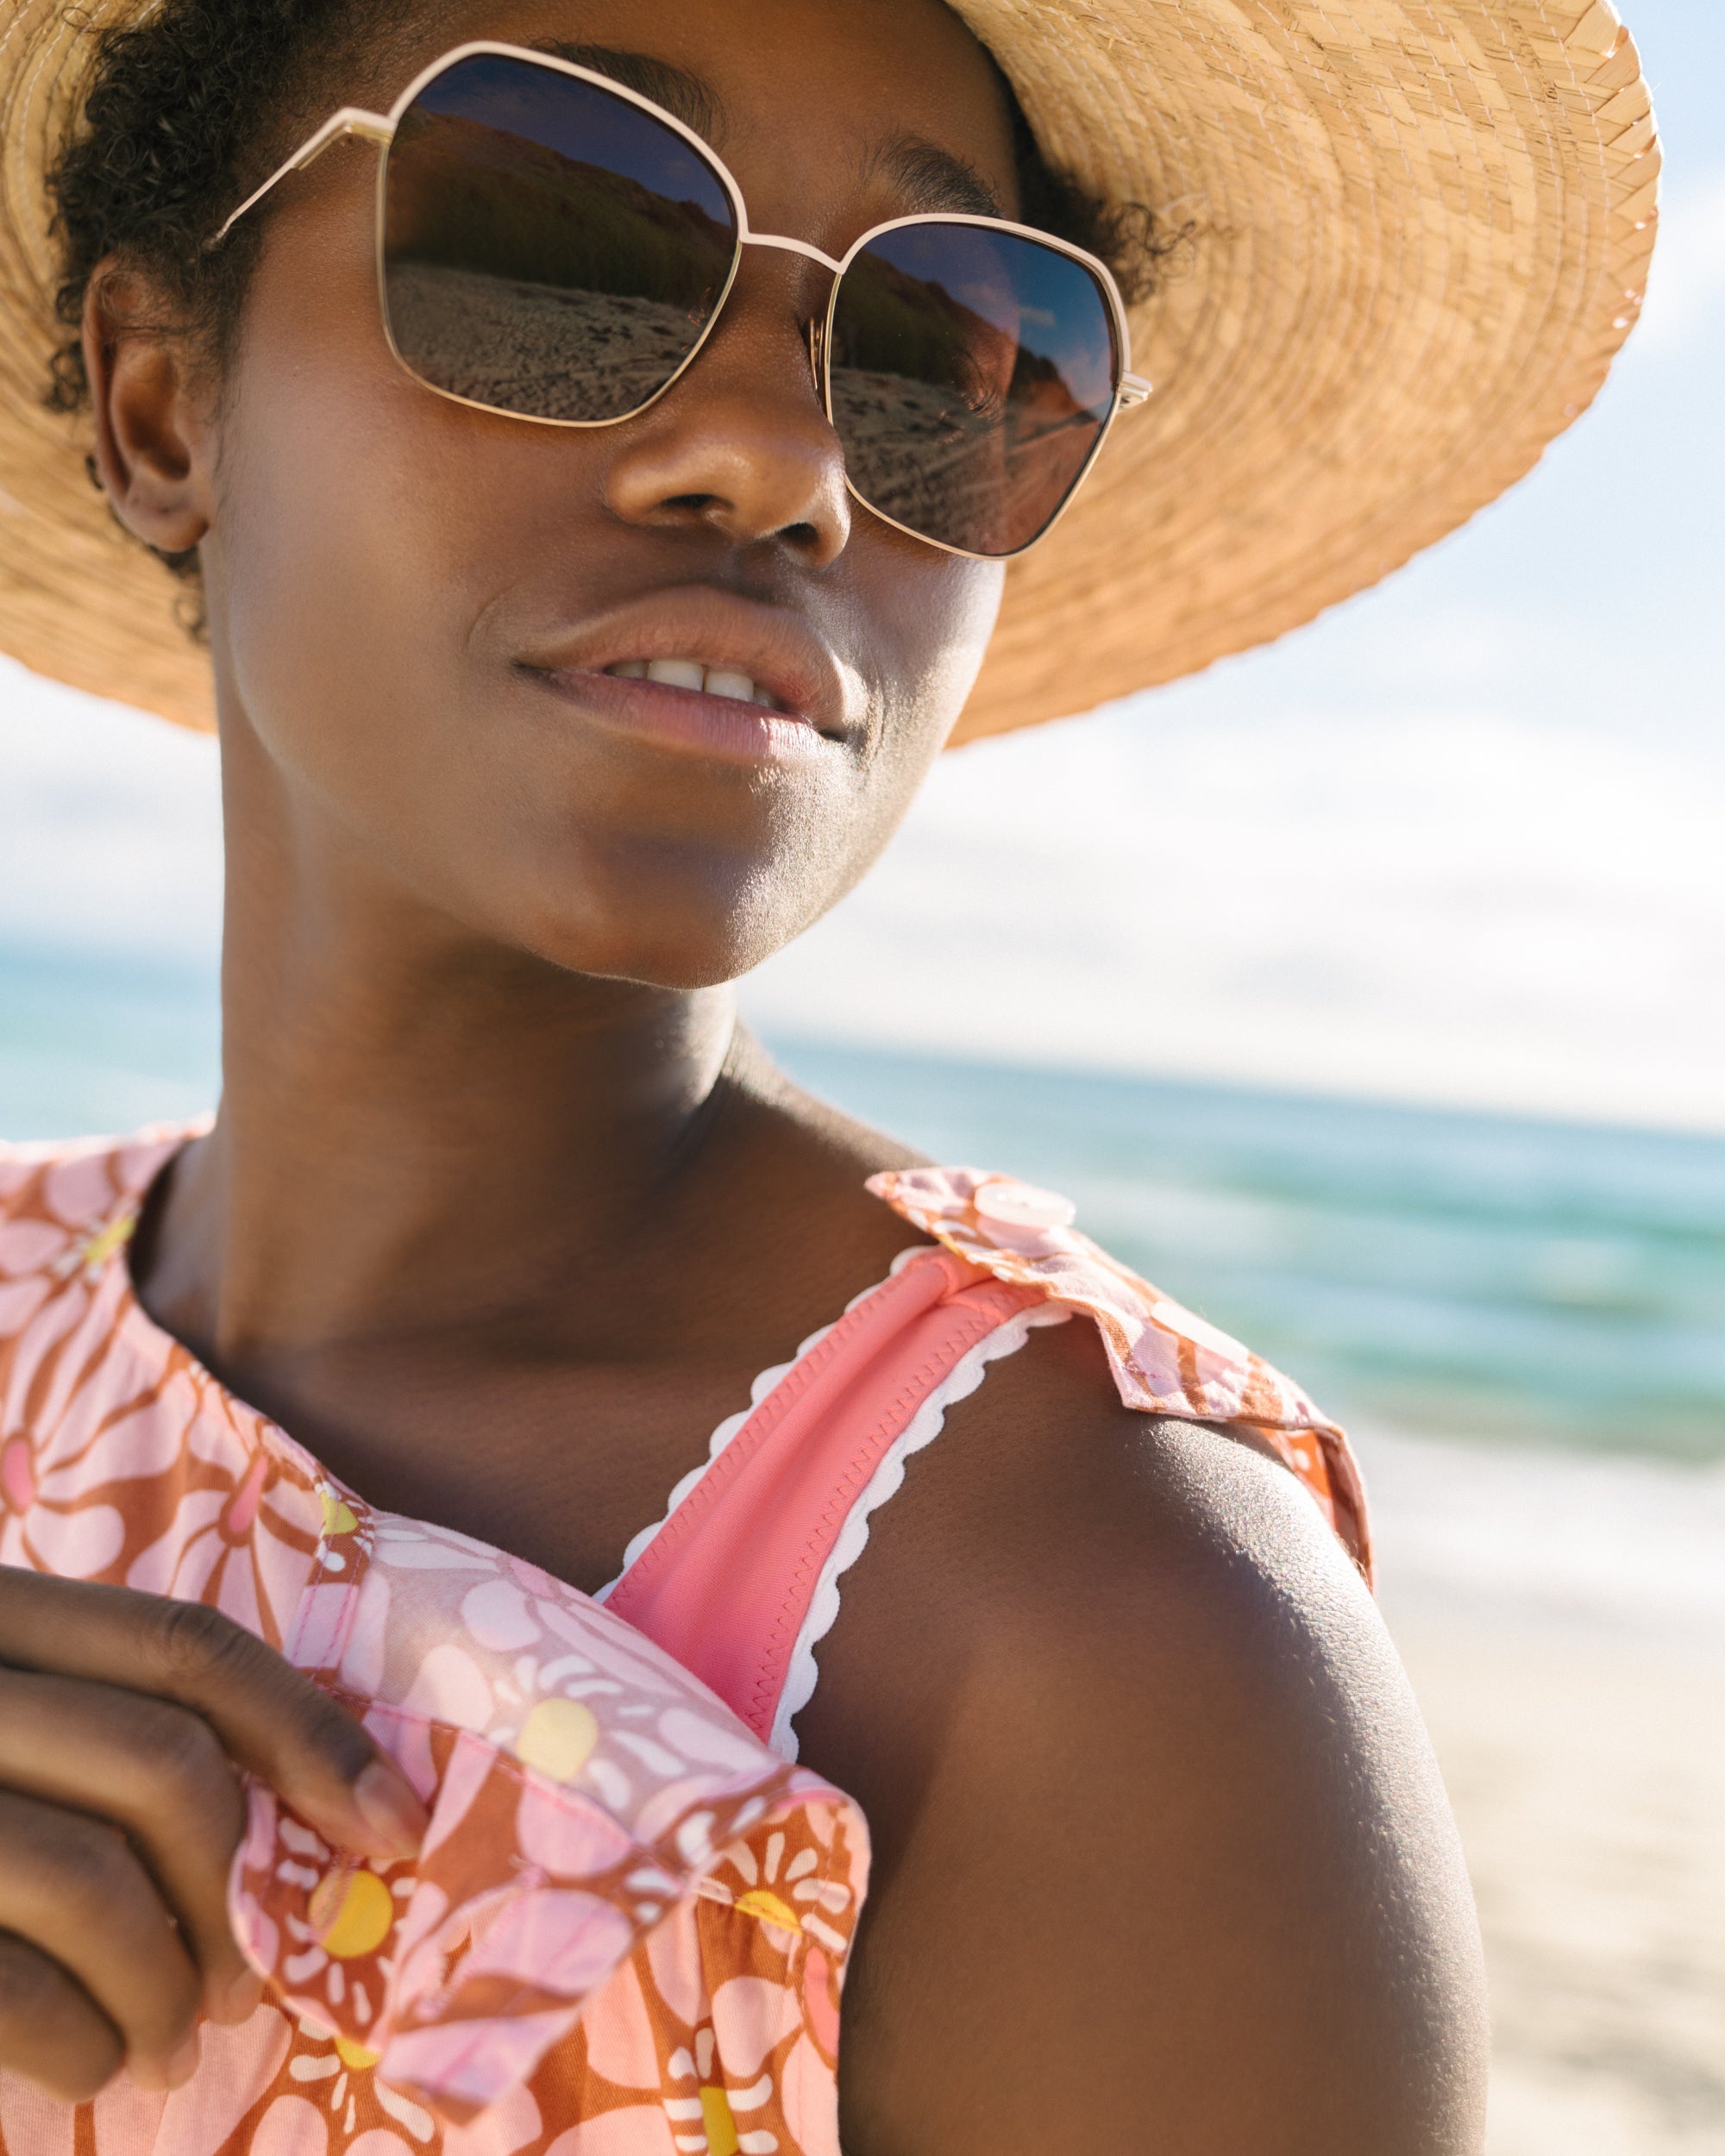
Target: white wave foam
pixel 1603 1537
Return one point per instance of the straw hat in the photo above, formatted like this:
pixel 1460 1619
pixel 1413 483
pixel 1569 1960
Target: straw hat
pixel 1419 232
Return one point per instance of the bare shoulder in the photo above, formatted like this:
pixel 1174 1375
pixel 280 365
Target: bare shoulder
pixel 1164 1860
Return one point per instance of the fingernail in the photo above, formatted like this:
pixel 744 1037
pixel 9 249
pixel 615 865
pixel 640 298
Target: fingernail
pixel 242 1998
pixel 389 1807
pixel 182 2064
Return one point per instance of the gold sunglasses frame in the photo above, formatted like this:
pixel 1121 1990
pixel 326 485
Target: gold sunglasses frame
pixel 379 128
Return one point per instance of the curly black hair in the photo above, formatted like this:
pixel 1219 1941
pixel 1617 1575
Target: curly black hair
pixel 190 108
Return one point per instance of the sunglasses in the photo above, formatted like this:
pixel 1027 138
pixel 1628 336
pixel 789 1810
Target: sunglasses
pixel 553 246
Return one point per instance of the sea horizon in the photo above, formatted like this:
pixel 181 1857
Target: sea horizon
pixel 1440 1273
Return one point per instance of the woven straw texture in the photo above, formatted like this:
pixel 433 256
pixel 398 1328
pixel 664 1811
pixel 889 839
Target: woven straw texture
pixel 1418 231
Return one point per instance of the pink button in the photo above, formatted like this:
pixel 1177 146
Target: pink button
pixel 1006 1203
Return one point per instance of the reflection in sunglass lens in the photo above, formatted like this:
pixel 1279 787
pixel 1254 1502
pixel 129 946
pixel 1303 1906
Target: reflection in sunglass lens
pixel 549 249
pixel 973 372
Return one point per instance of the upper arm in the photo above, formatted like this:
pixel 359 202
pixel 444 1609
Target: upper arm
pixel 1177 1872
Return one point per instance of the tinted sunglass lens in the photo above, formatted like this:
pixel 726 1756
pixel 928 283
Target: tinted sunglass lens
pixel 549 249
pixel 973 372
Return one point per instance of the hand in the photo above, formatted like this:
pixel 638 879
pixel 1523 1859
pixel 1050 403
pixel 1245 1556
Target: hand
pixel 125 1721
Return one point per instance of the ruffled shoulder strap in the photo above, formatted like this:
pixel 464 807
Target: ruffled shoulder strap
pixel 1165 1360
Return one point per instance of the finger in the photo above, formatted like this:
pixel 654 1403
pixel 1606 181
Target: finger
pixel 51 2028
pixel 74 1889
pixel 156 1770
pixel 271 1718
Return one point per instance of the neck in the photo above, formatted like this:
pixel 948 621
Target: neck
pixel 418 1130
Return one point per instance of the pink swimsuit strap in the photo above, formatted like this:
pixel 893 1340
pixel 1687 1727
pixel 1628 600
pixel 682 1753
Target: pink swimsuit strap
pixel 741 1580
pixel 725 1584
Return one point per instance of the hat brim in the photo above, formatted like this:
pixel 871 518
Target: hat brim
pixel 1418 232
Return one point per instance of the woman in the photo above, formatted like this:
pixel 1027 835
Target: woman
pixel 594 551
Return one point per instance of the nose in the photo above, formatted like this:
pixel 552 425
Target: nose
pixel 739 444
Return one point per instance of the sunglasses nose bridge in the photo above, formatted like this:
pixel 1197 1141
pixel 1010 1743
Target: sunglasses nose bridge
pixel 793 247
pixel 815 332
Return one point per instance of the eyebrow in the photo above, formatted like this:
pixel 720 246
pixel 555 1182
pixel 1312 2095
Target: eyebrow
pixel 683 95
pixel 931 179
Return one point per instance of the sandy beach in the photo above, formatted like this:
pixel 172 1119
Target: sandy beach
pixel 1579 1714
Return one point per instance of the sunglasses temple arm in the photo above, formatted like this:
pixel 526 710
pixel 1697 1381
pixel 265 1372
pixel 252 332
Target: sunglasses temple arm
pixel 1133 390
pixel 373 127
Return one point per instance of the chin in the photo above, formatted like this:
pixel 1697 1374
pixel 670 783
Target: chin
pixel 661 938
pixel 673 970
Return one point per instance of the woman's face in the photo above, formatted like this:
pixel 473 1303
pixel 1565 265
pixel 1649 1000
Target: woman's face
pixel 412 604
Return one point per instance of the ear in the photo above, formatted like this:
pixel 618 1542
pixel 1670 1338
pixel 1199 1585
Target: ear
pixel 154 437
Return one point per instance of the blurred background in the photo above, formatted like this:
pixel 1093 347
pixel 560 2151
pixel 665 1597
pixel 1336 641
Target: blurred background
pixel 1367 993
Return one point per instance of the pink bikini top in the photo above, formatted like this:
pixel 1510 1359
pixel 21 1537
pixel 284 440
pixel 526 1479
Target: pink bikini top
pixel 627 1931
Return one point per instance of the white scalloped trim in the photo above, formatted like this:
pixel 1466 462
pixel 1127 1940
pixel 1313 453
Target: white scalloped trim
pixel 766 1382
pixel 962 1379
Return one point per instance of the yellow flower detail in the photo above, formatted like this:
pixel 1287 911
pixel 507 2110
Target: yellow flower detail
pixel 721 2127
pixel 351 1912
pixel 338 1518
pixel 558 1737
pixel 768 1908
pixel 355 2055
pixel 102 1244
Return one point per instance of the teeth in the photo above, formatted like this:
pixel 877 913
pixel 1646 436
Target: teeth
pixel 677 674
pixel 690 674
pixel 721 682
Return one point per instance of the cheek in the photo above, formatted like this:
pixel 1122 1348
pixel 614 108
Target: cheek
pixel 365 528
pixel 919 622
pixel 928 632
pixel 348 561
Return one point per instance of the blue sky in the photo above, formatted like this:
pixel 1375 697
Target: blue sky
pixel 1463 840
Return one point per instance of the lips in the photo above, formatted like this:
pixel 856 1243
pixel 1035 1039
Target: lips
pixel 695 643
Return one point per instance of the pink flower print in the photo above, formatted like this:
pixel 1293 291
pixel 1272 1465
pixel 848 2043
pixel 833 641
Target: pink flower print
pixel 338 2074
pixel 788 1898
pixel 710 2113
pixel 497 1615
pixel 18 1475
pixel 90 1255
pixel 565 1832
pixel 33 1249
pixel 557 1938
pixel 1215 1370
pixel 292 2125
pixel 319 1924
pixel 705 2108
pixel 239 2066
pixel 460 2070
pixel 512 2122
pixel 80 1543
pixel 243 1542
pixel 378 2140
pixel 639 2129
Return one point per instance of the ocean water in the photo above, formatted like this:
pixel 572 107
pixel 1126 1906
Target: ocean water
pixel 1427 1270
pixel 1444 1274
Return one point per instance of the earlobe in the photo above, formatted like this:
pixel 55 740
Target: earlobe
pixel 152 441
